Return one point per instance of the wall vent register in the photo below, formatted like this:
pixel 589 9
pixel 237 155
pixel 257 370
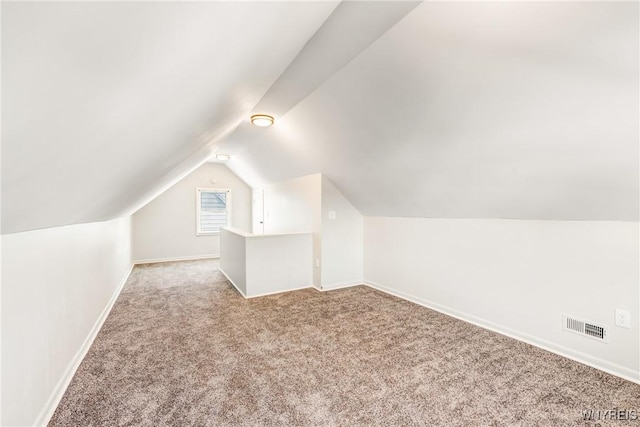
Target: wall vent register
pixel 585 328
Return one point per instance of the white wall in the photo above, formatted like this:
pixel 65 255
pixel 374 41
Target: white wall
pixel 517 277
pixel 294 206
pixel 257 214
pixel 341 239
pixel 166 227
pixel 56 285
pixel 278 263
pixel 266 264
pixel 233 258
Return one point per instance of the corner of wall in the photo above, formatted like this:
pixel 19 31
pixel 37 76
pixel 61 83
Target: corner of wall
pixel 42 270
pixel 342 243
pixel 537 270
pixel 61 387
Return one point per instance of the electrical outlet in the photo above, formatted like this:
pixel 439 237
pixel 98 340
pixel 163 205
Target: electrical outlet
pixel 317 263
pixel 623 318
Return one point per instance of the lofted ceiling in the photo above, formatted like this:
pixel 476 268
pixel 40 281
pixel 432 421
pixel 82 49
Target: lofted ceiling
pixel 524 110
pixel 104 102
pixel 439 109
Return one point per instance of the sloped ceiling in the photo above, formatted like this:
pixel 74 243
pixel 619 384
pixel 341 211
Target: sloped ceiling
pixel 473 109
pixel 103 101
pixel 447 109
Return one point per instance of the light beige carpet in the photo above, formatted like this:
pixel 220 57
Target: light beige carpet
pixel 181 347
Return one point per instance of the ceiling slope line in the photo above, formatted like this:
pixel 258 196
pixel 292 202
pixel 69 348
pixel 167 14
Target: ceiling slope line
pixel 197 158
pixel 202 153
pixel 468 110
pixel 122 111
pixel 350 29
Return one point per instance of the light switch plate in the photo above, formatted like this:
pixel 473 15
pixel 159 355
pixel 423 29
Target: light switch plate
pixel 332 215
pixel 623 318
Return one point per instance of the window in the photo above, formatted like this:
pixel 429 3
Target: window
pixel 213 210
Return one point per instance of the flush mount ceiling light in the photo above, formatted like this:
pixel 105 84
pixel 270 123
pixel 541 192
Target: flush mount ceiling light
pixel 262 120
pixel 223 156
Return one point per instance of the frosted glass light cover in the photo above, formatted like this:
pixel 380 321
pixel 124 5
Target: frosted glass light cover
pixel 261 120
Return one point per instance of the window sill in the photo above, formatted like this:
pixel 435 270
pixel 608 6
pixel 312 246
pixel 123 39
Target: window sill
pixel 213 233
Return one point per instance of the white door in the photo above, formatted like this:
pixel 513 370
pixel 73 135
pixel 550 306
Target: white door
pixel 258 212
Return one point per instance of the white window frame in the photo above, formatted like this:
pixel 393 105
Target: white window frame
pixel 199 191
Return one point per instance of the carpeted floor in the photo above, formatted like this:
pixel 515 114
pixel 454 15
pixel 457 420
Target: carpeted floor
pixel 181 347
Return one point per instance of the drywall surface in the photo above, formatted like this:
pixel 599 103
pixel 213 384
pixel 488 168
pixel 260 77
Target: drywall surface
pixel 233 258
pixel 166 227
pixel 517 277
pixel 266 264
pixel 476 109
pixel 342 228
pixel 294 206
pixel 127 96
pixel 279 263
pixel 56 284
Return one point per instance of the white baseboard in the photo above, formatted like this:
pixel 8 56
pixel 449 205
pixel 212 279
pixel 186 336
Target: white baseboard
pixel 341 285
pixel 259 295
pixel 594 362
pixel 50 407
pixel 180 258
pixel 280 292
pixel 232 282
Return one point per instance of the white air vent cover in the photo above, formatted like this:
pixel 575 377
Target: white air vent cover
pixel 584 328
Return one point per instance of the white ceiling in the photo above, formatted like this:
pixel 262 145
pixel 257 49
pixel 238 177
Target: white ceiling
pixel 447 109
pixel 478 109
pixel 102 102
